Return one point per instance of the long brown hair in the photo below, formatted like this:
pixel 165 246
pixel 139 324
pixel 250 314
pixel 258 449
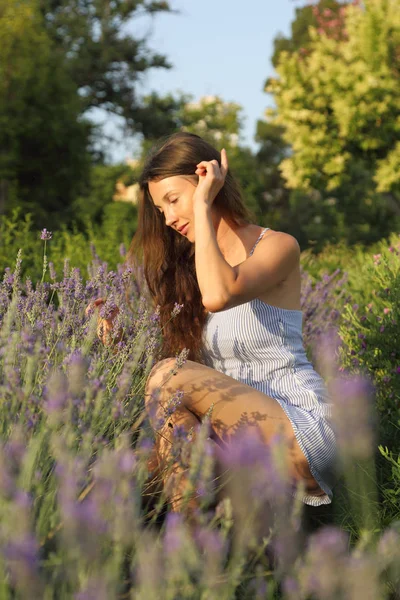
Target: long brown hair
pixel 168 257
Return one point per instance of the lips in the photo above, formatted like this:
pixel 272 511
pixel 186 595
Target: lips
pixel 183 229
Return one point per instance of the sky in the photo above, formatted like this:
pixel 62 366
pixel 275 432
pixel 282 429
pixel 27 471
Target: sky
pixel 216 47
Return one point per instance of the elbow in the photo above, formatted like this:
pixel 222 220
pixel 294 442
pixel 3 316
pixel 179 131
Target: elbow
pixel 214 304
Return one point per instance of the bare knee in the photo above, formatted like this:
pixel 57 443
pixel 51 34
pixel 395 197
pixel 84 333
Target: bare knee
pixel 158 374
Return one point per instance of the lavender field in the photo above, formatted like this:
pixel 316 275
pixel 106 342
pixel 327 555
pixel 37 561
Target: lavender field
pixel 81 517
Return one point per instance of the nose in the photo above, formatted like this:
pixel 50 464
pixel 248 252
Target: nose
pixel 170 217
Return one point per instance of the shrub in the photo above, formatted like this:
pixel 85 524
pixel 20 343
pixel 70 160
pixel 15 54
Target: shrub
pixel 106 240
pixel 371 346
pixel 74 480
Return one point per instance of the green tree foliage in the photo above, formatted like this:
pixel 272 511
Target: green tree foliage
pixel 58 60
pixel 276 200
pixel 322 16
pixel 43 142
pixel 88 208
pixel 221 124
pixel 104 59
pixel 339 104
pixel 274 197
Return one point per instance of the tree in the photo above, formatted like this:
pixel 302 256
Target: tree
pixel 275 202
pixel 103 59
pixel 325 16
pixel 59 59
pixel 43 157
pixel 339 105
pixel 274 198
pixel 218 122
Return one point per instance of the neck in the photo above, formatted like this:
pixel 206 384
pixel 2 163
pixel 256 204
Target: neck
pixel 225 233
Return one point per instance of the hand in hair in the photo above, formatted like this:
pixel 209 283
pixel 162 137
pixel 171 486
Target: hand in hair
pixel 211 179
pixel 104 326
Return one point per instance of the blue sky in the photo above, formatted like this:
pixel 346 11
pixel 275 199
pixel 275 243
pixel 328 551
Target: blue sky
pixel 217 47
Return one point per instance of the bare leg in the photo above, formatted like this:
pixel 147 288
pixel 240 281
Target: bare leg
pixel 234 406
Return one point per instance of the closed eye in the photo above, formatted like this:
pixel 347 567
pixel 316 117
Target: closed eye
pixel 160 210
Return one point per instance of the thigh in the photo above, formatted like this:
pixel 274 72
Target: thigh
pixel 233 405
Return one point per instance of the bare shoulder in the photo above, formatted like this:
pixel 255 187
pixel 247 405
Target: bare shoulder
pixel 279 242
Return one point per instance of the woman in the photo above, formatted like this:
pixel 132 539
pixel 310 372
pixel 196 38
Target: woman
pixel 241 319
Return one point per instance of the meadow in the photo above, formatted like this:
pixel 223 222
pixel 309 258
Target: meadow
pixel 81 517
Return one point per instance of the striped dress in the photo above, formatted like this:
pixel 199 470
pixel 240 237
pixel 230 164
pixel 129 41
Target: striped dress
pixel 262 345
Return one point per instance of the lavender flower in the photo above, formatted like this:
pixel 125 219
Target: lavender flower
pixel 182 358
pixel 46 235
pixel 176 310
pixel 210 542
pixel 173 538
pixel 353 416
pixel 173 403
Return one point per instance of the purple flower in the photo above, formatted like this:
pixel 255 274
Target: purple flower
pixel 210 542
pixel 290 587
pixel 176 310
pixel 330 540
pixel 46 235
pixel 353 415
pixel 24 549
pixel 257 466
pixel 173 538
pixel 173 403
pixel 246 449
pixel 56 395
pixel 52 271
pixel 389 545
pixel 126 461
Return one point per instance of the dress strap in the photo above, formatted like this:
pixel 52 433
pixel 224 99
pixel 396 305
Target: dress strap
pixel 259 238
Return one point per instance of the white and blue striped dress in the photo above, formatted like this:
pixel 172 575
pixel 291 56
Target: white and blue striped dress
pixel 262 345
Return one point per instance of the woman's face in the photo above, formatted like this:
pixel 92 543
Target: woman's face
pixel 173 196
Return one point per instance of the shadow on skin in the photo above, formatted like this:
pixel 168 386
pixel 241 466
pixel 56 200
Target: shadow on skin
pixel 235 407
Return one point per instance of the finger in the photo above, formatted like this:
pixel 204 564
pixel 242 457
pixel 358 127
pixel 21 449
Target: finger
pixel 207 163
pixel 224 162
pixel 93 305
pixel 211 166
pixel 89 309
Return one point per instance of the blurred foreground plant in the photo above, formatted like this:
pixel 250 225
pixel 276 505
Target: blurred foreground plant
pixel 80 516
